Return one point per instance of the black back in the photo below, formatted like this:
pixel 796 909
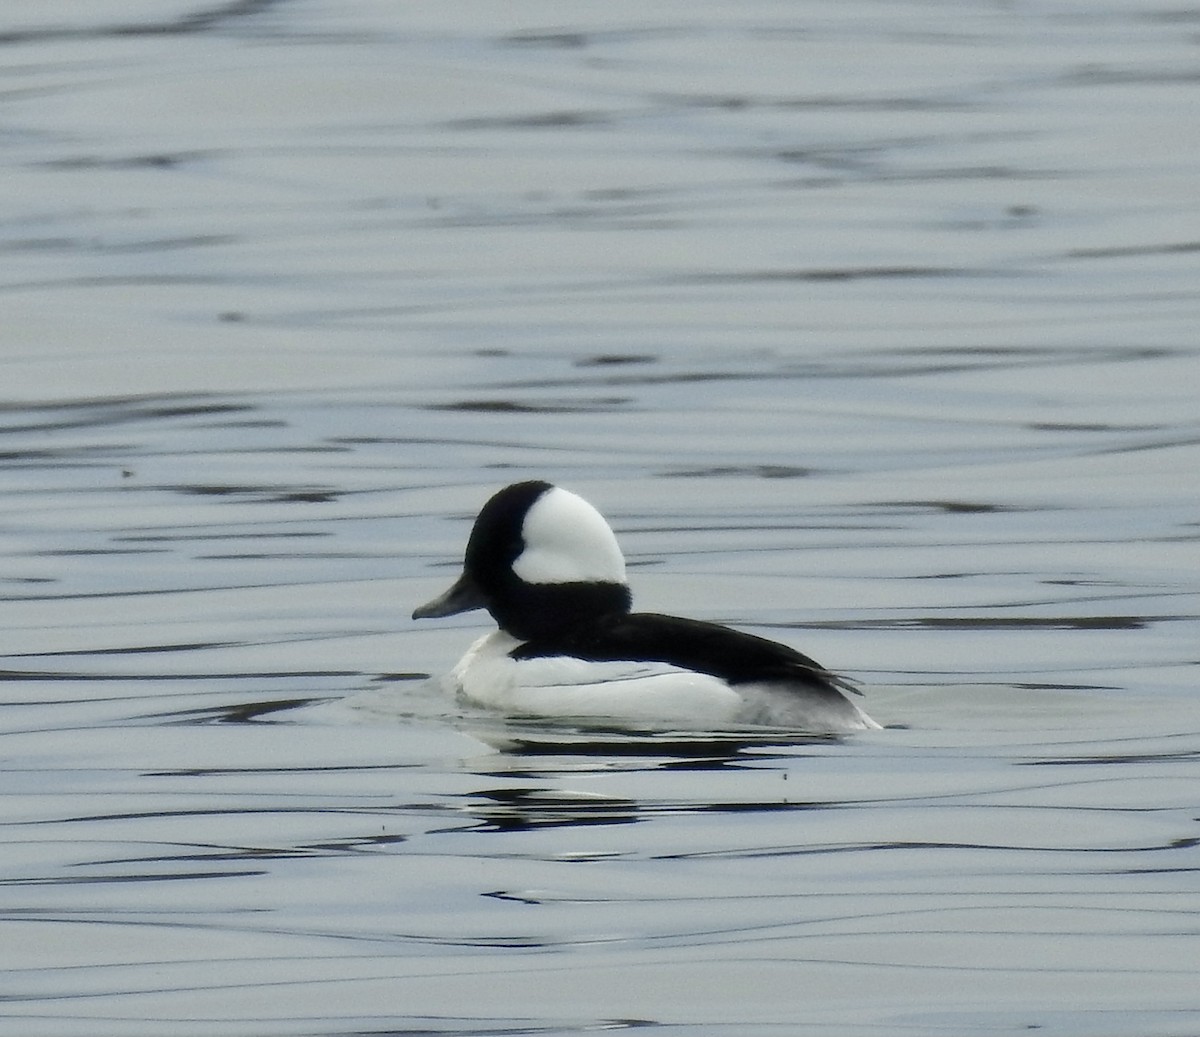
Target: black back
pixel 720 651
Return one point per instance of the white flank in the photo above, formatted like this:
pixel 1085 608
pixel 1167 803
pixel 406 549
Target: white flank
pixel 638 692
pixel 560 686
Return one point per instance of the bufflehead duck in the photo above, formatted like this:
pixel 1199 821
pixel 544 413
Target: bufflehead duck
pixel 547 567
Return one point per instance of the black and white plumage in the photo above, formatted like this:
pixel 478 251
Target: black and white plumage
pixel 548 568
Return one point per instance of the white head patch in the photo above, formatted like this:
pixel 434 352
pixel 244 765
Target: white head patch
pixel 568 541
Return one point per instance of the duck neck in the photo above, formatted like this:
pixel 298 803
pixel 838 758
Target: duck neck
pixel 549 611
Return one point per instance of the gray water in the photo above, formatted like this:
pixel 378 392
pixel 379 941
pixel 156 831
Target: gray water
pixel 871 328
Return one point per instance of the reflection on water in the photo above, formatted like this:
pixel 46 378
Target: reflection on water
pixel 899 368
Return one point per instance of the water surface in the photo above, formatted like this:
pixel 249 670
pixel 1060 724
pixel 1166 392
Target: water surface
pixel 869 326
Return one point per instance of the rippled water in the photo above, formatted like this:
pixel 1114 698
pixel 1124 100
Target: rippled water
pixel 871 327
